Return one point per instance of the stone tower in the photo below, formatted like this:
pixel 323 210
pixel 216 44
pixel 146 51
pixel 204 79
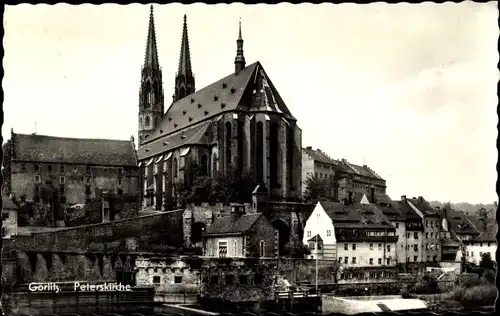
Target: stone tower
pixel 151 100
pixel 184 78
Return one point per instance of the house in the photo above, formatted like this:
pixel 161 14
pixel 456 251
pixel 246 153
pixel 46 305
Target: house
pixel 240 235
pixel 360 234
pixel 75 168
pixel 353 180
pixel 319 228
pixel 431 223
pixel 9 217
pixel 406 222
pixel 485 242
pixel 238 122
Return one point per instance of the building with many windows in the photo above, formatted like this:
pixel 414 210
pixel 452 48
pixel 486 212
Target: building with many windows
pixel 75 167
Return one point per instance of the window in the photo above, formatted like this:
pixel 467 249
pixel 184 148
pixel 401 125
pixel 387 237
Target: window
pixel 214 280
pixel 87 181
pixel 328 233
pixel 257 278
pixel 178 279
pixel 379 260
pixel 379 246
pixel 407 235
pixel 88 169
pixel 262 248
pixel 156 279
pixel 426 235
pixel 61 187
pixel 353 246
pixel 388 248
pixel 432 224
pixel 87 190
pixel 434 258
pixel 415 247
pixel 49 168
pixel 37 179
pixel 120 182
pixel 415 258
pixel 311 246
pixel 415 235
pixel 371 247
pixel 308 233
pixel 426 246
pixel 222 249
pixel 353 260
pixel 388 260
pixel 61 168
pixel 480 244
pixel 23 167
pixel 371 261
pixel 120 192
pixel 489 244
pixel 480 253
pixel 243 279
pixel 346 247
pixel 472 253
pixel 432 235
pixel 397 225
pixel 346 260
pixel 318 215
pixel 61 179
pixel 428 258
pixel 37 168
pixel 402 246
pixel 426 223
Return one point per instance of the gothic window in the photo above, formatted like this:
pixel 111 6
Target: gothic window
pixel 290 162
pixel 241 146
pixel 214 164
pixel 155 122
pixel 147 121
pixel 204 165
pixel 182 93
pixel 175 167
pixel 260 152
pixel 273 148
pixel 227 146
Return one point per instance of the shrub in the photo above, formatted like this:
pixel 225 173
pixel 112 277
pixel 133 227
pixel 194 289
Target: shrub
pixel 477 296
pixel 488 277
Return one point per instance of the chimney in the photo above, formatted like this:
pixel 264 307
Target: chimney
pixel 403 198
pixel 236 211
pixel 420 198
pixel 309 147
pixel 365 166
pixel 343 160
pixel 414 198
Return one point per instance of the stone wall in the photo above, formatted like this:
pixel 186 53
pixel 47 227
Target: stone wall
pixel 78 239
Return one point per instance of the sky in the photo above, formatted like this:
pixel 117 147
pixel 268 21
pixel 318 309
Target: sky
pixel 408 89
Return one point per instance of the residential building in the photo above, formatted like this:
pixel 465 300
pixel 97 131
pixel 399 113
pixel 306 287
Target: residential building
pixel 363 235
pixel 74 167
pixel 9 217
pixel 352 180
pixel 240 235
pixel 431 220
pixel 319 228
pixel 238 122
pixel 401 216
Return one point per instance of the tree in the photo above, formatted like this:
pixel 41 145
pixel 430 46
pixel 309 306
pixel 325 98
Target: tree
pixel 232 186
pixel 486 262
pixel 317 189
pixel 295 249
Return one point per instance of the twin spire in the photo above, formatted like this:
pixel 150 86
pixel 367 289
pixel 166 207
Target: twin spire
pixel 184 69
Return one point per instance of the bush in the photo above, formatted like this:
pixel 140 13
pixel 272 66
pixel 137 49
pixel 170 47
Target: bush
pixel 478 296
pixel 488 277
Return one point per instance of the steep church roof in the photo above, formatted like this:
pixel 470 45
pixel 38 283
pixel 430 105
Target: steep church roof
pixel 85 151
pixel 185 55
pixel 224 95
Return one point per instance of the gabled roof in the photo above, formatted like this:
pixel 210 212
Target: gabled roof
pixel 224 95
pixel 199 134
pixel 224 225
pixel 487 228
pixel 423 206
pixel 319 156
pixel 315 238
pixel 356 215
pixel 399 211
pixel 460 224
pixel 50 149
pixel 363 171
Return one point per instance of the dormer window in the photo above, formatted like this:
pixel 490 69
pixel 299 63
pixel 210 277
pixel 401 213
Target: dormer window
pixel 206 112
pixel 199 105
pixel 224 85
pixel 184 112
pixel 233 90
pixel 161 131
pixel 216 98
pixel 165 143
pixel 175 125
pixel 222 105
pixel 192 101
pixel 169 118
pixel 190 118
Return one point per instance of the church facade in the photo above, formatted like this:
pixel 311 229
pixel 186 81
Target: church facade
pixel 239 121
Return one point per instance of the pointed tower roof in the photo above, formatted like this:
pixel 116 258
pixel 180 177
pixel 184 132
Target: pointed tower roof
pixel 239 60
pixel 151 58
pixel 185 56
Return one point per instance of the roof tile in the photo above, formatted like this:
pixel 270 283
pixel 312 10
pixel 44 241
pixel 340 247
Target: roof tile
pixel 224 225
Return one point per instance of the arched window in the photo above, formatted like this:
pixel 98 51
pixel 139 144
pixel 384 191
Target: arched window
pixel 204 165
pixel 214 165
pixel 241 146
pixel 175 167
pixel 227 146
pixel 274 150
pixel 260 152
pixel 182 93
pixel 155 122
pixel 147 121
pixel 290 158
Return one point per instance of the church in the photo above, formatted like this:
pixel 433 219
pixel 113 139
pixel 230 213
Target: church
pixel 239 121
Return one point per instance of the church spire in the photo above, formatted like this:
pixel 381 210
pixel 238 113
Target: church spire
pixel 151 58
pixel 184 79
pixel 239 60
